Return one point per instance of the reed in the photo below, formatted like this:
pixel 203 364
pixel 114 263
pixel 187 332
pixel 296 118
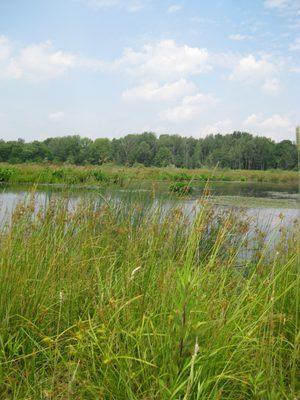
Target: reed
pixel 106 175
pixel 128 301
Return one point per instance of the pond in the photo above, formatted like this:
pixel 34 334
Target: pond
pixel 270 205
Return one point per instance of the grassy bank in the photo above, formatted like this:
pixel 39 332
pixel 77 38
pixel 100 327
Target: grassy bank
pixel 119 302
pixel 113 175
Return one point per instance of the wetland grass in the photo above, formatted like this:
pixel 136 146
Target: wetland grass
pixel 107 175
pixel 116 301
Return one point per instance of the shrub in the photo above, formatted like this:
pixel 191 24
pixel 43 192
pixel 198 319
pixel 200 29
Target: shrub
pixel 203 178
pixel 182 176
pixel 180 188
pixel 5 174
pixel 100 176
pixel 118 179
pixel 224 178
pixel 58 174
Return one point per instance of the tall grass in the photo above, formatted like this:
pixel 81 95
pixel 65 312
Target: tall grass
pixel 111 174
pixel 111 301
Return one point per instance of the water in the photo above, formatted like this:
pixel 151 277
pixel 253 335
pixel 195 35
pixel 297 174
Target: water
pixel 270 206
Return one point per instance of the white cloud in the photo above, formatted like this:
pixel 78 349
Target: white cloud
pixel 249 69
pixel 165 59
pixel 276 3
pixel 295 70
pixel 131 6
pixel 40 61
pixel 5 48
pixel 295 46
pixel 222 126
pixel 285 8
pixel 10 70
pixel 56 116
pixel 174 8
pixel 277 126
pixel 190 107
pixel 238 37
pixel 102 3
pixel 276 122
pixel 252 120
pixel 271 85
pixel 154 92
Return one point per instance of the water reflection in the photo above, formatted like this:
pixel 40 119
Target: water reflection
pixel 268 219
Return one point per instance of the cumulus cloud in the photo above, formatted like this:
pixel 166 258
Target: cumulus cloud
pixel 276 3
pixel 131 6
pixel 285 8
pixel 56 116
pixel 278 126
pixel 271 85
pixel 152 91
pixel 43 61
pixel 189 108
pixel 276 122
pixel 5 48
pixel 165 59
pixel 251 70
pixel 39 61
pixel 222 126
pixel 174 8
pixel 295 46
pixel 238 37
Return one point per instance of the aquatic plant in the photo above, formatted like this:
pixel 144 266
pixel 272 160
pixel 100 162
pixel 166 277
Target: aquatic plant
pixel 128 301
pixel 100 176
pixel 6 174
pixel 33 173
pixel 180 188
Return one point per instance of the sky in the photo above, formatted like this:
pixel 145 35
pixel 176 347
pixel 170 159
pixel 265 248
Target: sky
pixel 106 68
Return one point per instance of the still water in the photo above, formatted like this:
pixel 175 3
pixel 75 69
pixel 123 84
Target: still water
pixel 270 206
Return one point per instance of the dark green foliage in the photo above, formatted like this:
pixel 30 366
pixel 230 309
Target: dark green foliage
pixel 100 176
pixel 58 173
pixel 181 177
pixel 239 150
pixel 5 174
pixel 180 188
pixel 203 178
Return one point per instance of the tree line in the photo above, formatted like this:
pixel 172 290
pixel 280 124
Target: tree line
pixel 239 150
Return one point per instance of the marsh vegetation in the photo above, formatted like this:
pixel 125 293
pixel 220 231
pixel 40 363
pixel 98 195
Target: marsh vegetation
pixel 118 300
pixel 111 175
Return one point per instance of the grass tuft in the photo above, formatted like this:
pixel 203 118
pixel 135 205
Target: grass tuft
pixel 117 301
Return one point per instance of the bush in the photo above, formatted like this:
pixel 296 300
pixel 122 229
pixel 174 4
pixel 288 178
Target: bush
pixel 180 188
pixel 5 174
pixel 118 179
pixel 203 178
pixel 58 174
pixel 100 176
pixel 182 176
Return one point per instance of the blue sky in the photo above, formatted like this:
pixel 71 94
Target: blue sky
pixel 105 68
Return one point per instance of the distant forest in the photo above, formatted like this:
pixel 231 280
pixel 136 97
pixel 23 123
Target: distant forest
pixel 239 150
